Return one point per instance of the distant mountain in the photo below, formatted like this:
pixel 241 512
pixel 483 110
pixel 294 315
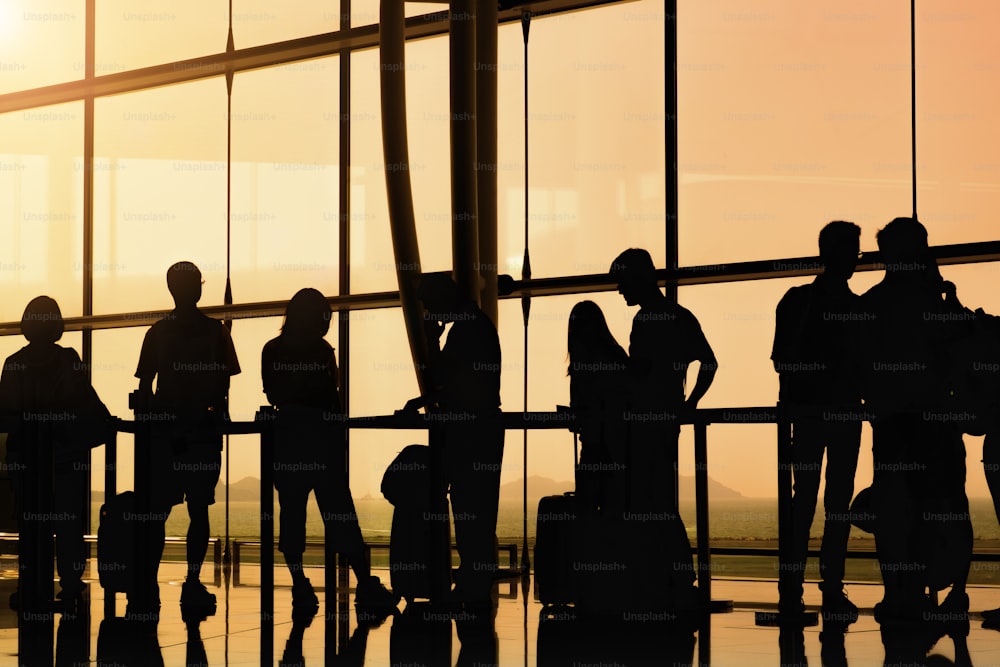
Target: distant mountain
pixel 248 489
pixel 539 487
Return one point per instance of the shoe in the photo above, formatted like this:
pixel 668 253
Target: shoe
pixel 991 619
pixel 791 607
pixel 304 597
pixel 952 613
pixel 838 609
pixel 371 594
pixel 70 600
pixel 194 594
pixel 373 602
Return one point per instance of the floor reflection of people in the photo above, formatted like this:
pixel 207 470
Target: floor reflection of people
pixel 568 639
pixel 421 635
pixel 792 647
pixel 73 639
pixel 121 642
pixel 196 656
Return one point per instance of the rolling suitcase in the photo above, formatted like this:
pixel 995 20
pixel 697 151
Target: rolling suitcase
pixel 416 557
pixel 555 537
pixel 116 543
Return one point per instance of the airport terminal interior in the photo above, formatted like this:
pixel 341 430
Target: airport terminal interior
pixel 353 146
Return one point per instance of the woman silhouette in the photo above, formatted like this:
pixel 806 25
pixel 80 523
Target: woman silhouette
pixel 300 378
pixel 598 396
pixel 45 385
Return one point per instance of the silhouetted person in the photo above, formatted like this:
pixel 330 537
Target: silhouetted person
pixel 815 329
pixel 299 372
pixel 465 380
pixel 46 386
pixel 121 642
pixel 918 491
pixel 192 357
pixel 991 468
pixel 195 655
pixel 665 339
pixel 598 395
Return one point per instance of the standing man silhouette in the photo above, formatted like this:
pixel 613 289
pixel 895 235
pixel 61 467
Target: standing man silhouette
pixel 918 493
pixel 812 354
pixel 665 339
pixel 192 357
pixel 465 380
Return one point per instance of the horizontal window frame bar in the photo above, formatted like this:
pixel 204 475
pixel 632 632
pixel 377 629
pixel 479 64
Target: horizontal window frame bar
pixel 946 255
pixel 266 55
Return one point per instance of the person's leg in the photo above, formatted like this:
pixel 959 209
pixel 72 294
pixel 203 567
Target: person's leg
pixel 474 456
pixel 843 445
pixel 200 469
pixel 293 495
pixel 71 550
pixel 197 539
pixel 807 461
pixel 342 530
pixel 896 512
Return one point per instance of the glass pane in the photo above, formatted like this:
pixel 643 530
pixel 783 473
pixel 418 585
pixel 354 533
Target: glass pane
pixel 132 35
pixel 372 259
pixel 595 129
pixel 382 379
pixel 41 43
pixel 285 180
pixel 258 22
pixel 366 12
pixel 790 116
pixel 957 167
pixel 159 193
pixel 41 222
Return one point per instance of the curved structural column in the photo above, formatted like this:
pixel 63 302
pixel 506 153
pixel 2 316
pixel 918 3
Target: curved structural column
pixel 395 150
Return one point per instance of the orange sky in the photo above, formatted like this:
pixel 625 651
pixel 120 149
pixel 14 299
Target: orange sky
pixel 790 114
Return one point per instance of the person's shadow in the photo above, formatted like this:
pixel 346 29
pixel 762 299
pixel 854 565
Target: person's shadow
pixel 121 642
pixel 421 635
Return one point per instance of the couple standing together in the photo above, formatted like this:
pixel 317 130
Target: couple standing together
pixel 629 408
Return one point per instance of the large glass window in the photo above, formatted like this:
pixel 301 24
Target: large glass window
pixel 41 43
pixel 958 173
pixel 41 185
pixel 131 35
pixel 159 193
pixel 790 115
pixel 284 219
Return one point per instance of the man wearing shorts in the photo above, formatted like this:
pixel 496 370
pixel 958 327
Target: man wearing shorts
pixel 192 358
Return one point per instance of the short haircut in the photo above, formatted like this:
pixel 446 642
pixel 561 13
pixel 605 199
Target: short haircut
pixel 837 235
pixel 903 239
pixel 634 264
pixel 42 321
pixel 183 277
pixel 438 284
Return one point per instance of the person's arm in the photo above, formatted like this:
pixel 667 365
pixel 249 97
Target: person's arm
pixel 437 372
pixel 146 369
pixel 707 366
pixel 789 328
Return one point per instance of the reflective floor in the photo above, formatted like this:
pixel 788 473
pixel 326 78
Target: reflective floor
pixel 520 635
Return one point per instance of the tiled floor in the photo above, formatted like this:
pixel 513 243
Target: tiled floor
pixel 418 636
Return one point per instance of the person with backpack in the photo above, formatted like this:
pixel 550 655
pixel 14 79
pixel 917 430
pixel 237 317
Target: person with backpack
pixel 45 387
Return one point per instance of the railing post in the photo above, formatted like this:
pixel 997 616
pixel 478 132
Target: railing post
pixel 266 417
pixel 701 508
pixel 110 491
